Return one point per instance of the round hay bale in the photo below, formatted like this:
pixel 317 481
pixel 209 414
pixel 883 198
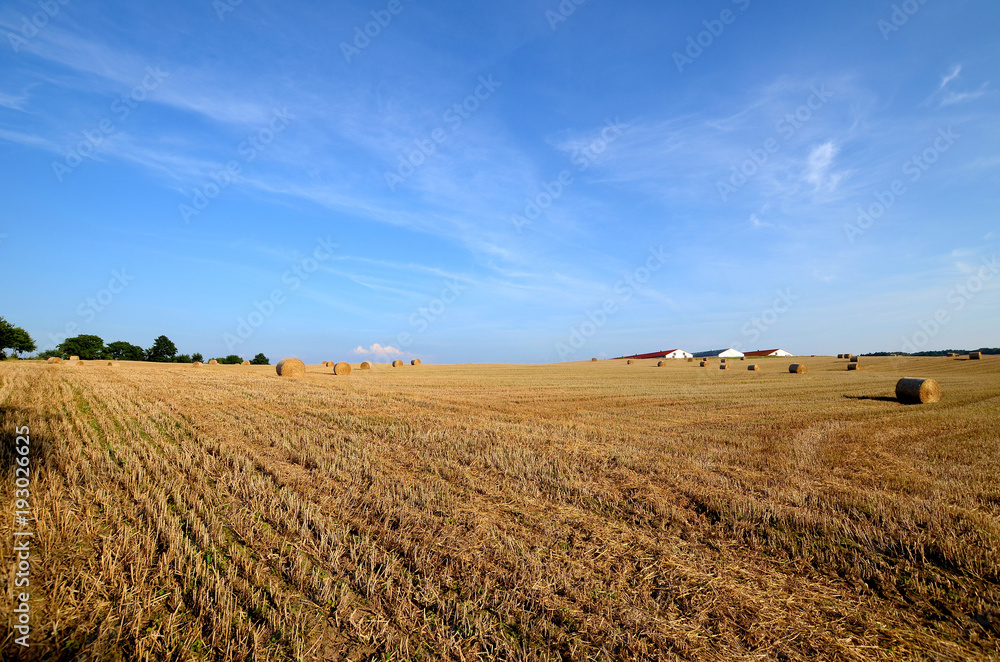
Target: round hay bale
pixel 660 364
pixel 415 362
pixel 743 358
pixel 245 363
pixel 365 365
pixel 691 360
pixel 213 362
pixel 197 364
pixel 74 358
pixel 113 364
pixel 78 362
pixel 798 368
pixel 916 391
pixel 840 356
pixel 853 366
pixel 342 368
pixel 723 359
pixel 951 355
pixel 723 366
pixel 753 367
pixel 703 364
pixel 629 362
pixel 855 359
pixel 594 359
pixel 290 368
pixel 397 364
pixel 54 359
pixel 975 356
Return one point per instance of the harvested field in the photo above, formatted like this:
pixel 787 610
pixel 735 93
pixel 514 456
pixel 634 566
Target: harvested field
pixel 572 511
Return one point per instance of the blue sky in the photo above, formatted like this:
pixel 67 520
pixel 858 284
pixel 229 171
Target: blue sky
pixel 529 181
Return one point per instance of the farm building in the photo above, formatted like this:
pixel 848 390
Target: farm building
pixel 721 353
pixel 662 354
pixel 768 352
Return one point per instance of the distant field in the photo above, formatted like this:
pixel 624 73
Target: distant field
pixel 575 511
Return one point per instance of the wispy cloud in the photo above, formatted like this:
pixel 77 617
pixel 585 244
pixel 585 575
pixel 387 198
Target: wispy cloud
pixel 964 97
pixel 818 166
pixel 950 76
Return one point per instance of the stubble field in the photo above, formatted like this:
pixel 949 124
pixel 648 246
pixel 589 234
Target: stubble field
pixel 581 511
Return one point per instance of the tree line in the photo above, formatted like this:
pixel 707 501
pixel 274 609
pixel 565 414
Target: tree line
pixel 92 348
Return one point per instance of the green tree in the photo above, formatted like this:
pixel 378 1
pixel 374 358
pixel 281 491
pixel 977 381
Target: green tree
pixel 232 359
pixel 163 350
pixel 23 343
pixel 198 357
pixel 260 359
pixel 182 358
pixel 87 347
pixel 124 351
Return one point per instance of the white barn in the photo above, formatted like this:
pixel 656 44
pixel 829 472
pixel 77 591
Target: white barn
pixel 678 354
pixel 769 352
pixel 730 354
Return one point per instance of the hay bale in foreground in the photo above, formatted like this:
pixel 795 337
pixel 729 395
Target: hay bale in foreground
pixel 798 369
pixel 660 364
pixel 753 367
pixel 397 364
pixel 365 365
pixel 916 391
pixel 197 364
pixel 975 356
pixel 213 362
pixel 290 368
pixel 703 364
pixel 54 359
pixel 245 363
pixel 415 362
pixel 853 366
pixel 855 359
pixel 342 368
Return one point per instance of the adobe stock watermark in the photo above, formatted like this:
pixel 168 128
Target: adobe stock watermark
pixel 583 158
pixel 22 536
pixel 760 324
pixel 785 128
pixel 699 43
pixel 562 12
pixel 30 27
pixel 223 7
pixel 121 107
pixel 90 307
pixel 300 271
pixel 248 151
pixel 624 290
pixel 899 17
pixel 408 162
pixel 435 308
pixel 913 168
pixel 363 37
pixel 957 299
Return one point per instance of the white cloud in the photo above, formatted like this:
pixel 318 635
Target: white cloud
pixel 819 162
pixel 963 97
pixel 757 224
pixel 952 75
pixel 378 350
